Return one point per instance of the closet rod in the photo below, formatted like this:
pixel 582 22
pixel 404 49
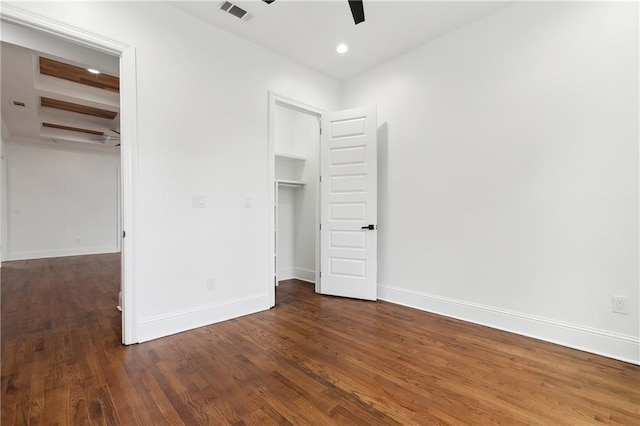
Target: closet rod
pixel 291 183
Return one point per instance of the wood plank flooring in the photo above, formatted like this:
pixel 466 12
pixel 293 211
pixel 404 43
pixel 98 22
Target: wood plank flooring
pixel 311 360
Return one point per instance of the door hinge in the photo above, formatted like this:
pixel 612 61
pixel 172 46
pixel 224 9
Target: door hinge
pixel 320 178
pixel 321 227
pixel 320 274
pixel 124 234
pixel 320 129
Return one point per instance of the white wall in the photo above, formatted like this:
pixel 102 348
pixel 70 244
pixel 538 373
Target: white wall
pixel 283 132
pixel 307 132
pixel 286 233
pixel 508 173
pixel 60 202
pixel 202 129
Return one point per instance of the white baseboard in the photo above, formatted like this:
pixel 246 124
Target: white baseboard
pixel 618 346
pixel 177 322
pixel 307 275
pixel 286 274
pixel 42 254
pixel 302 274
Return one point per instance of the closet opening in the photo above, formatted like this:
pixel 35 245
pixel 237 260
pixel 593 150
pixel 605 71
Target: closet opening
pixel 294 149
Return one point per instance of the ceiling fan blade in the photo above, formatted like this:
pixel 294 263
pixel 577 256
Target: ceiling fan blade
pixel 357 10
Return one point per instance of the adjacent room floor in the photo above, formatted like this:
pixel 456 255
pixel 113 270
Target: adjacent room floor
pixel 311 360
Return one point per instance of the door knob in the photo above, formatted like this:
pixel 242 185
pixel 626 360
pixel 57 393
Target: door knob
pixel 369 227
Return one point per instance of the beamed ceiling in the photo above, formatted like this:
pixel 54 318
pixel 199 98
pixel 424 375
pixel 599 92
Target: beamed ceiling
pixel 51 100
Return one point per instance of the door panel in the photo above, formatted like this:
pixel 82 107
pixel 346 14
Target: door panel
pixel 349 203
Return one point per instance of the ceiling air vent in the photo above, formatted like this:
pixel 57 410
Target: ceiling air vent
pixel 236 11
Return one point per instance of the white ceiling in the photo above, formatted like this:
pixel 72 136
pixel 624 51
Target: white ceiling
pixel 309 31
pixel 305 31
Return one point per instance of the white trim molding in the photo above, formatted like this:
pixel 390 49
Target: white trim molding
pixel 42 254
pixel 613 345
pixel 286 274
pixel 15 15
pixel 304 274
pixel 188 319
pixel 301 274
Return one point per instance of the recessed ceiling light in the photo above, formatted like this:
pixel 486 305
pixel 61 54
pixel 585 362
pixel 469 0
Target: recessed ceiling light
pixel 342 48
pixel 93 71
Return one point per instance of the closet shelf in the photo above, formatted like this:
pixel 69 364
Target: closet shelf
pixel 290 183
pixel 291 156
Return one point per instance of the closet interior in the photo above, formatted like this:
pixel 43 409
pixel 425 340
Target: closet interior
pixel 296 146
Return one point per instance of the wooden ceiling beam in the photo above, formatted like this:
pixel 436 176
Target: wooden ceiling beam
pixel 81 109
pixel 73 129
pixel 78 75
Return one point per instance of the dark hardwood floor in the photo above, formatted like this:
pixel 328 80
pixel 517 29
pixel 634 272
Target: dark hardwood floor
pixel 311 360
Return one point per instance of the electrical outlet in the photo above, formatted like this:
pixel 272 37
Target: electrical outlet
pixel 211 284
pixel 619 304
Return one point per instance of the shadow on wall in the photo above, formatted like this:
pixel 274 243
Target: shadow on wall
pixel 383 198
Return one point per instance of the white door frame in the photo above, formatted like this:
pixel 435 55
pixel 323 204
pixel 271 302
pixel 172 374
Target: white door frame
pixel 273 98
pixel 128 149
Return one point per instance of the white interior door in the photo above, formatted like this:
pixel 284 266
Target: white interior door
pixel 348 200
